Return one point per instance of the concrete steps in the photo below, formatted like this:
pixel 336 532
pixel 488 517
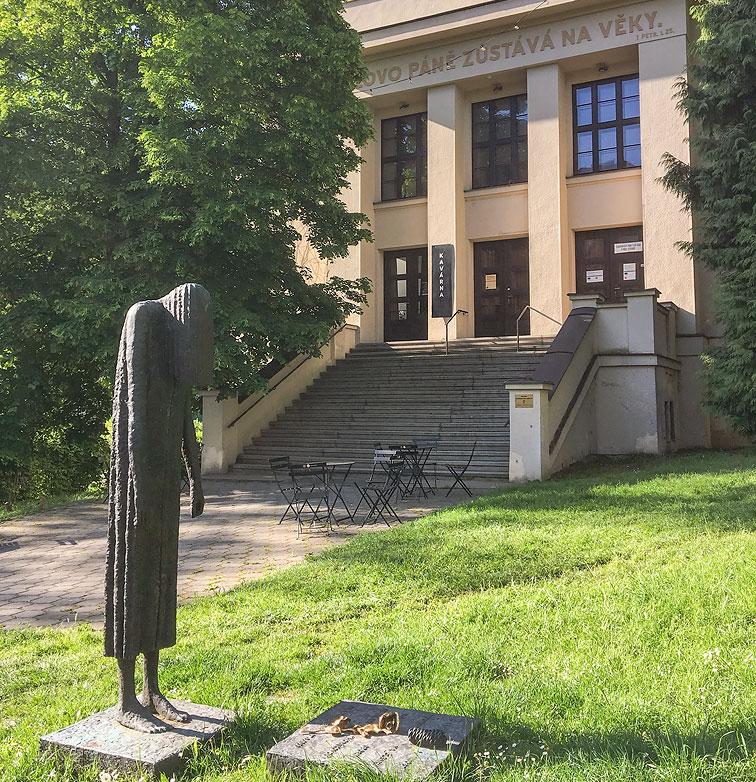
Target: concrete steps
pixel 392 393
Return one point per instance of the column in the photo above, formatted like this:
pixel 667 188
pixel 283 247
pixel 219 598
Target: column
pixel 551 277
pixel 663 129
pixel 447 119
pixel 370 260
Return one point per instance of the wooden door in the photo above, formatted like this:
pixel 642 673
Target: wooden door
pixel 610 262
pixel 405 295
pixel 502 287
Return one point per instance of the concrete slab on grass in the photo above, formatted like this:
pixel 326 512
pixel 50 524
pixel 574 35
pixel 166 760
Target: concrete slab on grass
pixel 392 754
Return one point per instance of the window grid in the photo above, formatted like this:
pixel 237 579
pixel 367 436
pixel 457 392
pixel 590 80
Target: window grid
pixel 404 161
pixel 606 122
pixel 500 141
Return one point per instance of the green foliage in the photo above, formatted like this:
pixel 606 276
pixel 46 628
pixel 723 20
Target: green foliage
pixel 719 187
pixel 147 144
pixel 600 625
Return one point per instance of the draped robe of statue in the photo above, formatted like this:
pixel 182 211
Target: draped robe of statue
pixel 165 350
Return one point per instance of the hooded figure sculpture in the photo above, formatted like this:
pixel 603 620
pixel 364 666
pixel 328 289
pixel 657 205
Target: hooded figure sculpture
pixel 165 349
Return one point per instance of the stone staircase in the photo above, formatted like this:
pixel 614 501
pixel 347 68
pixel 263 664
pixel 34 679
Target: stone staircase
pixel 391 393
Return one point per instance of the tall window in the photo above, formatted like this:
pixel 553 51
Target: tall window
pixel 404 161
pixel 500 141
pixel 607 125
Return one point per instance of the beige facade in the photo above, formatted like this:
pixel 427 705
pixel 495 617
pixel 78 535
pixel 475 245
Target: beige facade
pixel 440 58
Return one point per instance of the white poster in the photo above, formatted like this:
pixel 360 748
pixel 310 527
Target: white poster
pixel 628 247
pixel 629 271
pixel 594 275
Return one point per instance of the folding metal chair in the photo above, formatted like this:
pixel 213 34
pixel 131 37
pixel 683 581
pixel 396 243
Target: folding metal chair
pixel 279 466
pixel 311 486
pixel 378 494
pixel 458 473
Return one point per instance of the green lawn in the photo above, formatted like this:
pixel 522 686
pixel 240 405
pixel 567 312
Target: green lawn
pixel 601 625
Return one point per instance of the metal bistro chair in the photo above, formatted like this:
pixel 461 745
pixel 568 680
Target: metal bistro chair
pixel 279 466
pixel 378 494
pixel 458 473
pixel 310 486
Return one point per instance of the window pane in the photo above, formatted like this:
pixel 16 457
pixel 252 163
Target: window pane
pixel 631 135
pixel 401 289
pixel 522 155
pixel 522 106
pixel 480 134
pixel 522 126
pixel 583 96
pixel 632 156
pixel 503 154
pixel 607 138
pixel 584 115
pixel 607 159
pixel 630 87
pixel 402 312
pixel 401 265
pixel 388 191
pixel 389 128
pixel 481 157
pixel 480 112
pixel 388 173
pixel 422 130
pixel 388 147
pixel 480 177
pixel 502 111
pixel 607 111
pixel 423 184
pixel 585 142
pixel 630 107
pixel 502 174
pixel 585 162
pixel 504 130
pixel 407 181
pixel 606 92
pixel 407 137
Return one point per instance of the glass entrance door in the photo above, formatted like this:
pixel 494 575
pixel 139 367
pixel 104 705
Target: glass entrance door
pixel 609 262
pixel 502 287
pixel 405 295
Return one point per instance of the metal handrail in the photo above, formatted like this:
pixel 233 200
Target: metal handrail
pixel 285 377
pixel 525 309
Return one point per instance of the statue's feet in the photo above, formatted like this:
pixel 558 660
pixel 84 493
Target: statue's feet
pixel 137 717
pixel 157 703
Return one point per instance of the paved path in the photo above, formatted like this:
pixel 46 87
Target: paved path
pixel 52 563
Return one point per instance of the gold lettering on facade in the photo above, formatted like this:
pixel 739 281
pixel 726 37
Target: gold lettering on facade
pixel 620 27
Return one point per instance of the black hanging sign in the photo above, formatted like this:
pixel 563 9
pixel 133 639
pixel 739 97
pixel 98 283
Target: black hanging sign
pixel 442 272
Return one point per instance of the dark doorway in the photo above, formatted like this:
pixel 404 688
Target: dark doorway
pixel 405 295
pixel 610 262
pixel 502 287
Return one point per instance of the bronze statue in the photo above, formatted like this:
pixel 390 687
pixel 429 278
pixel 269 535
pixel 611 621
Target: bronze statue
pixel 165 350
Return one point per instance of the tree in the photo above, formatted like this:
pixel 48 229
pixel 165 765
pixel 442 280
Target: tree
pixel 720 189
pixel 143 144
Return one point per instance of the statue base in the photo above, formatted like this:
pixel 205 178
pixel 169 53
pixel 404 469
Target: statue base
pixel 100 739
pixel 392 754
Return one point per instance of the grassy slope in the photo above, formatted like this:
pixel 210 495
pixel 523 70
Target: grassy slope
pixel 602 625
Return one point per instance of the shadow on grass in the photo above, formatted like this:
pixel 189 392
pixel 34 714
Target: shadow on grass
pixel 517 743
pixel 539 531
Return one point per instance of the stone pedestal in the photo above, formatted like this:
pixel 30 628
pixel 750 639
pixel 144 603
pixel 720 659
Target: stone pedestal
pixel 102 740
pixel 392 754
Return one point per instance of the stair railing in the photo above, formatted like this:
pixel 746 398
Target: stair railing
pixel 301 363
pixel 528 308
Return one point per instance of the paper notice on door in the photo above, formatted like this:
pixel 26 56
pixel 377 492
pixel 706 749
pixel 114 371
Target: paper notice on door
pixel 628 247
pixel 490 283
pixel 629 271
pixel 594 275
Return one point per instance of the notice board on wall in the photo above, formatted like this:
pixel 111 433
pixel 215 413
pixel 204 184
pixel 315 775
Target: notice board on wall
pixel 442 275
